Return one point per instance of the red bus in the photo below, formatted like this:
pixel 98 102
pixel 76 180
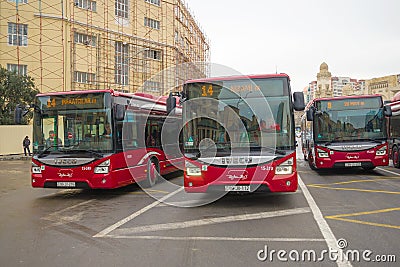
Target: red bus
pixel 394 131
pixel 239 134
pixel 100 139
pixel 345 132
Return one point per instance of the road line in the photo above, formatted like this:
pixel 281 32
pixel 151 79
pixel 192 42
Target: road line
pixel 365 222
pixel 209 221
pixel 219 238
pixel 326 231
pixel 134 215
pixel 356 181
pixel 363 213
pixel 395 173
pixel 356 189
pixel 49 216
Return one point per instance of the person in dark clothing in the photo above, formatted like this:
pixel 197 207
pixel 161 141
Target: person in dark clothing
pixel 26 143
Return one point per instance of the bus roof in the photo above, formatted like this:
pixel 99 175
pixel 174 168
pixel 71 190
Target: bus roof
pixel 239 77
pixel 339 98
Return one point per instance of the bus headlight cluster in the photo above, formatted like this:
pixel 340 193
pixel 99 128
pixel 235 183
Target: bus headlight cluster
pixel 36 168
pixel 103 167
pixel 285 167
pixel 192 170
pixel 381 151
pixel 322 153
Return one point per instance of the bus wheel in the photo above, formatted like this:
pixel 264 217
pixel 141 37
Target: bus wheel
pixel 396 157
pixel 152 174
pixel 311 161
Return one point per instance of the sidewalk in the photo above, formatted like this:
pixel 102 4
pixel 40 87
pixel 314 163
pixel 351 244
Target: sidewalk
pixel 15 157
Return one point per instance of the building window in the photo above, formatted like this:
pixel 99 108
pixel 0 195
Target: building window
pixel 121 63
pixel 18 1
pixel 154 2
pixel 153 54
pixel 17 34
pixel 121 8
pixel 19 69
pixel 84 77
pixel 86 4
pixel 80 38
pixel 152 86
pixel 152 23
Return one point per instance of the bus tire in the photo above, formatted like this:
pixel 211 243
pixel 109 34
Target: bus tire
pixel 311 161
pixel 153 172
pixel 396 157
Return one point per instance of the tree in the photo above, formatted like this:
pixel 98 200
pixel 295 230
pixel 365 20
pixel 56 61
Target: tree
pixel 15 90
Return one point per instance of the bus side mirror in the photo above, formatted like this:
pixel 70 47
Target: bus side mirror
pixel 171 103
pixel 119 112
pixel 387 111
pixel 298 101
pixel 310 114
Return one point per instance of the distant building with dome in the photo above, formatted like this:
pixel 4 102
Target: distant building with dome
pixel 327 85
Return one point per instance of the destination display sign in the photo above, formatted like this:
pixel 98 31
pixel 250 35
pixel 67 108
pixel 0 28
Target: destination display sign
pixel 345 104
pixel 76 101
pixel 234 88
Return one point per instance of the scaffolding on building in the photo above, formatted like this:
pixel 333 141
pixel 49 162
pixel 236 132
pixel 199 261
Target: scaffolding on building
pixel 150 46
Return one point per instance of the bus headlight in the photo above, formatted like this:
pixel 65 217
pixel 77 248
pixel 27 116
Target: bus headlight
pixel 103 167
pixel 192 170
pixel 322 153
pixel 381 151
pixel 285 167
pixel 36 168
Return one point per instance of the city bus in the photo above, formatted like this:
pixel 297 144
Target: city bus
pixel 348 131
pixel 101 139
pixel 239 134
pixel 394 131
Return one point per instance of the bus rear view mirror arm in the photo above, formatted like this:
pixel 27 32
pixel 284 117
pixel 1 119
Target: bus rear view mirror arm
pixel 387 111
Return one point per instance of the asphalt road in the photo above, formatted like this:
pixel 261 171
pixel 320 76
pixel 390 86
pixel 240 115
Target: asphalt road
pixel 127 227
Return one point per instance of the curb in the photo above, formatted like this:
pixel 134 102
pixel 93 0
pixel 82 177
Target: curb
pixel 15 157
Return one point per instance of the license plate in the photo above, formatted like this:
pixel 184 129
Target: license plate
pixel 352 164
pixel 65 184
pixel 237 188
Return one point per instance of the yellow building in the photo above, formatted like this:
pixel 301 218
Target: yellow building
pixel 386 86
pixel 125 45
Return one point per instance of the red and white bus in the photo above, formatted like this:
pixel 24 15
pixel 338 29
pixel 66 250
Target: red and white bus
pixel 239 134
pixel 345 131
pixel 101 139
pixel 394 131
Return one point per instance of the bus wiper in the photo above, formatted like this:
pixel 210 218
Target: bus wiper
pixel 47 150
pixel 374 140
pixel 275 150
pixel 93 152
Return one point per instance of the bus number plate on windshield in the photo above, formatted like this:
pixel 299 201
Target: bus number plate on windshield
pixel 65 184
pixel 237 188
pixel 352 164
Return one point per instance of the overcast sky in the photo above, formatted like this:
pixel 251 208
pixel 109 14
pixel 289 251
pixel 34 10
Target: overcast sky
pixel 356 38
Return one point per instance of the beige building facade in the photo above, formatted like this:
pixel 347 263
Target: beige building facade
pixel 386 86
pixel 149 46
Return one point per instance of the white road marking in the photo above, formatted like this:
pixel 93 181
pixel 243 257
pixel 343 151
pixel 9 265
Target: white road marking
pixel 326 231
pixel 395 173
pixel 209 221
pixel 55 214
pixel 219 238
pixel 136 214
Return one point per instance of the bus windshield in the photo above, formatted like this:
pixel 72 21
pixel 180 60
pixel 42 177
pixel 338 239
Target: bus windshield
pixel 236 114
pixel 350 125
pixel 73 123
